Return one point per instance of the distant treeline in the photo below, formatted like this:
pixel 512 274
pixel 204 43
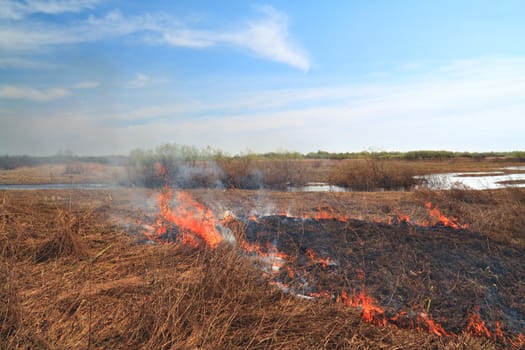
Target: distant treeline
pixel 8 162
pixel 415 155
pixel 192 153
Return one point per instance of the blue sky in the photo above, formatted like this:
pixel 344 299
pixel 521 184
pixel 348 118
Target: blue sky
pixel 104 77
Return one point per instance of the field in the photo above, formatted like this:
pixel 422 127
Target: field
pixel 113 269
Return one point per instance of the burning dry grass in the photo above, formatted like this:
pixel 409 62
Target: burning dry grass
pixel 498 214
pixel 121 294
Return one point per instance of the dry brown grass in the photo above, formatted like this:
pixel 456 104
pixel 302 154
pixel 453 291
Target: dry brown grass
pixel 15 332
pixel 122 294
pixel 499 214
pixel 78 172
pixel 372 175
pixel 247 173
pixel 65 240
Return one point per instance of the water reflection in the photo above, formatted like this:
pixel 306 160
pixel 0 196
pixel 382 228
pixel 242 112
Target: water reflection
pixel 317 187
pixel 475 180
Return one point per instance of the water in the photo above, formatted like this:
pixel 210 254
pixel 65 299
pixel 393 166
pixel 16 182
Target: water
pixel 520 168
pixel 317 187
pixel 475 180
pixel 68 186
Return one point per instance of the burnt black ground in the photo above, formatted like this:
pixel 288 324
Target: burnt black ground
pixel 437 270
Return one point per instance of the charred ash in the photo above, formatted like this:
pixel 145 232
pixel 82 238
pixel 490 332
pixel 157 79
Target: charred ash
pixel 409 270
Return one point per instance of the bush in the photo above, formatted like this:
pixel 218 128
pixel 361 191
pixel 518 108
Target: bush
pixel 248 172
pixel 372 175
pixel 189 167
pixel 182 166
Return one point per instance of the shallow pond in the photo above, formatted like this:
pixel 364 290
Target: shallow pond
pixel 477 180
pixel 317 187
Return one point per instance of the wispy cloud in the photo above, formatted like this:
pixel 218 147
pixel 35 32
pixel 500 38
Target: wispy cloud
pixel 28 36
pixel 267 37
pixel 141 80
pixel 24 63
pixel 87 85
pixel 15 9
pixel 474 106
pixel 29 93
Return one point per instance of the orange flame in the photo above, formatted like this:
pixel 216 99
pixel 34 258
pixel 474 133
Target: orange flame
pixel 433 326
pixel 438 217
pixel 499 332
pixel 327 213
pixel 519 342
pixel 476 325
pixel 193 219
pixel 323 261
pixel 371 312
pixel 276 258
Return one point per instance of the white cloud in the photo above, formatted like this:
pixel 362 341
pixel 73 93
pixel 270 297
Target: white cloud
pixel 28 93
pixel 141 80
pixel 21 37
pixel 15 10
pixel 86 85
pixel 18 62
pixel 189 38
pixel 267 37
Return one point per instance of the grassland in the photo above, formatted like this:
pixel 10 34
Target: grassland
pixel 76 272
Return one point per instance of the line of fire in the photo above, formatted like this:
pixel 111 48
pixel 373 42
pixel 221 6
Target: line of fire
pixel 397 271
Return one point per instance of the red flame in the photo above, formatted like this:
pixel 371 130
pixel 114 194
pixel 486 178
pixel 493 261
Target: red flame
pixel 323 261
pixel 519 342
pixel 194 220
pixel 476 325
pixel 438 217
pixel 274 256
pixel 433 327
pixel 498 333
pixel 327 213
pixel 371 312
